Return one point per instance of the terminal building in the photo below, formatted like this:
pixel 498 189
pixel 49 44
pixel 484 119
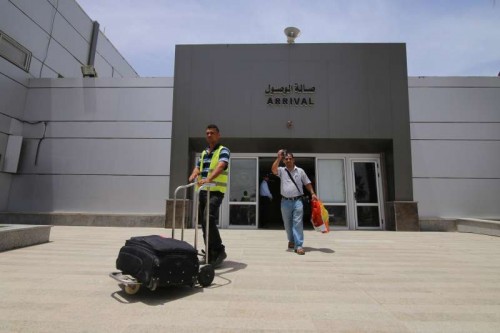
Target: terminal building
pixel 85 141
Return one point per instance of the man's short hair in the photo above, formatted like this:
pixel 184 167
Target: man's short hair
pixel 289 153
pixel 213 126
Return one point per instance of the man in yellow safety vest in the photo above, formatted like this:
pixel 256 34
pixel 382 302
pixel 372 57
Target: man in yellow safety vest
pixel 212 167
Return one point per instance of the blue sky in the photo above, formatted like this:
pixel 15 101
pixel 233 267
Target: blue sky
pixel 443 37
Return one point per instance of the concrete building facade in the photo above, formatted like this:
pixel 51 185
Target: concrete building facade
pixel 383 150
pixel 340 106
pixel 455 133
pixel 43 39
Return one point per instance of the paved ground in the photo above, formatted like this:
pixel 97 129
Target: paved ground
pixel 349 281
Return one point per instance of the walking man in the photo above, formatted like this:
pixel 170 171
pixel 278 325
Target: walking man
pixel 293 179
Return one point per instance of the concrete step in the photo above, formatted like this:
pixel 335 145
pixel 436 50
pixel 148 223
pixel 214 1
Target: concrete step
pixel 479 226
pixel 16 236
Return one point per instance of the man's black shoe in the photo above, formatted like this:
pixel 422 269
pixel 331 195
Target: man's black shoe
pixel 219 259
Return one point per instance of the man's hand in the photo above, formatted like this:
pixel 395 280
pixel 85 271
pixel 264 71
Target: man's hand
pixel 203 181
pixel 194 174
pixel 281 154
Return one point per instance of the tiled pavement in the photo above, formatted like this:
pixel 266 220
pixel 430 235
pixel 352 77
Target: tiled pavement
pixel 348 281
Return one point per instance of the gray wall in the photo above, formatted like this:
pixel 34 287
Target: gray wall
pixel 455 132
pixel 58 33
pixel 361 96
pixel 103 147
pixel 12 98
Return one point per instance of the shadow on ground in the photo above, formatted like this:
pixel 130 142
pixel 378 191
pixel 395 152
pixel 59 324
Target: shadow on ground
pixel 163 295
pixel 157 297
pixel 321 249
pixel 227 267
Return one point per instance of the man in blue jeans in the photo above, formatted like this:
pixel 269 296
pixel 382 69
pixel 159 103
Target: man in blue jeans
pixel 293 179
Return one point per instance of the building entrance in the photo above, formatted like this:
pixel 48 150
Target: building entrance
pixel 367 193
pixel 270 206
pixel 349 185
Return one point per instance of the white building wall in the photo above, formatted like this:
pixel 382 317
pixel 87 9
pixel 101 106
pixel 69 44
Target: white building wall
pixel 58 33
pixel 455 133
pixel 102 146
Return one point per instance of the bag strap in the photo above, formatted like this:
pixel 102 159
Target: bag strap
pixel 290 175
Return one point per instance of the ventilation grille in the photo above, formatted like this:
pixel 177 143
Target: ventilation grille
pixel 14 52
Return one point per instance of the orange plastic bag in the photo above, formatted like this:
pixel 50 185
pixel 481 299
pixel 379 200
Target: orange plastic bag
pixel 319 216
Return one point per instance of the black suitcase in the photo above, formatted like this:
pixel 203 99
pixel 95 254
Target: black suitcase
pixel 158 261
pixel 154 261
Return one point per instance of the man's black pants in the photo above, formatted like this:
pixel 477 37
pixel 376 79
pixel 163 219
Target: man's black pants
pixel 214 240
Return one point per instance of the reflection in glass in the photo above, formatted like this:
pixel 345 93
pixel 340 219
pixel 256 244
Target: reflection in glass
pixel 368 216
pixel 332 184
pixel 366 182
pixel 242 215
pixel 337 216
pixel 243 180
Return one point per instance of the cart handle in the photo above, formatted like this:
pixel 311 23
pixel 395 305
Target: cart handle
pixel 182 187
pixel 185 187
pixel 207 228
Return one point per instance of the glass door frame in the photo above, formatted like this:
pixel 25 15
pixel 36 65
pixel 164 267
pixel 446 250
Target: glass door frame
pixel 353 212
pixel 224 220
pixel 343 158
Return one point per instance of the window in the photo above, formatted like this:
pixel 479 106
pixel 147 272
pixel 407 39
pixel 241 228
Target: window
pixel 14 52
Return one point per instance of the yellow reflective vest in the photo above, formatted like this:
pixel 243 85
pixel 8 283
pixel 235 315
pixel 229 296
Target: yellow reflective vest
pixel 221 180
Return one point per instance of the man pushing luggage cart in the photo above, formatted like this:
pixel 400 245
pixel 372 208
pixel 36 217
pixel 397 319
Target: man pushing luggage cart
pixel 154 261
pixel 212 167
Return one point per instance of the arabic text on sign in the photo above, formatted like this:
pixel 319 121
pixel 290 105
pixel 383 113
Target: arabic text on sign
pixel 290 89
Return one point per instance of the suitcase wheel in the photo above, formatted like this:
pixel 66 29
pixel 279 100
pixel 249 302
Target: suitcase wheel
pixel 132 289
pixel 206 275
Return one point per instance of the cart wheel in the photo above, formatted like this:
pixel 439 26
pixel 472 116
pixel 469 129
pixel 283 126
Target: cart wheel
pixel 206 275
pixel 132 289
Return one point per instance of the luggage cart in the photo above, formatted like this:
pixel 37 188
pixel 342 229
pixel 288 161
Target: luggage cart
pixel 206 271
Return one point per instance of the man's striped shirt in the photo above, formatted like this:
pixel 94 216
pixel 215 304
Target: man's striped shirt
pixel 223 157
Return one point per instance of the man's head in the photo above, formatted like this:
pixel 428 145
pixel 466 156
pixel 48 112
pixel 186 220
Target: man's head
pixel 212 134
pixel 289 159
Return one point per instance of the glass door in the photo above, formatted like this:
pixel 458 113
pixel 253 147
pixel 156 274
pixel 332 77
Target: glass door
pixel 367 194
pixel 332 189
pixel 242 193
